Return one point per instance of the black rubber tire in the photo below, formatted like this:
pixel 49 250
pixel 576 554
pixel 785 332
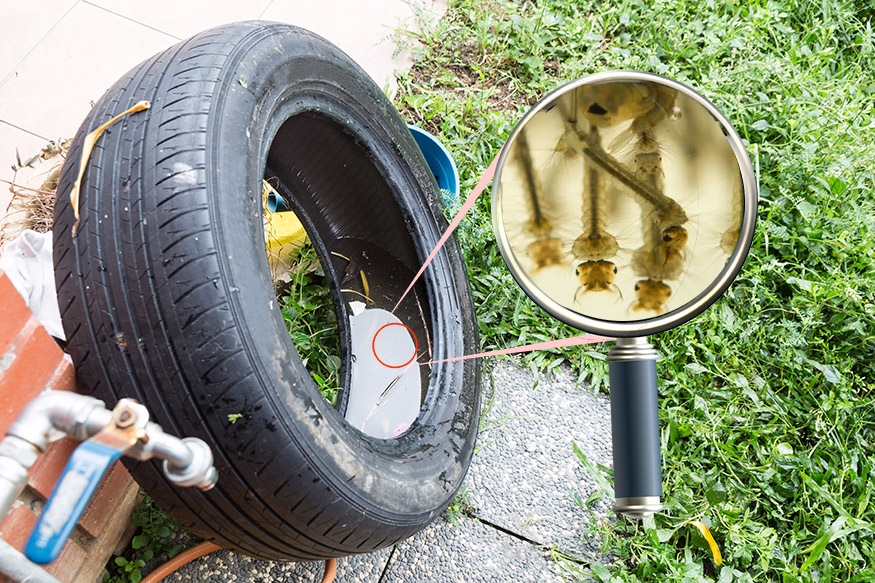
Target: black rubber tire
pixel 166 297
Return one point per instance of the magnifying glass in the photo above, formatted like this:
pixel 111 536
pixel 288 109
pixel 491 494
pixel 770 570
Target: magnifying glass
pixel 624 204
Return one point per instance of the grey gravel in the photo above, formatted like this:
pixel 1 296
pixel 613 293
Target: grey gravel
pixel 525 469
pixel 469 552
pixel 225 566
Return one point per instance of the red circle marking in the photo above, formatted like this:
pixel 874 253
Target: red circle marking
pixel 415 345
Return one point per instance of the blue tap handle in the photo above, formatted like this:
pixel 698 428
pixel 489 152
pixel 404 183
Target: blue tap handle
pixel 83 473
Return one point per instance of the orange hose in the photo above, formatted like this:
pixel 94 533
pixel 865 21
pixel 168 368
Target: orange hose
pixel 183 558
pixel 330 570
pixel 205 548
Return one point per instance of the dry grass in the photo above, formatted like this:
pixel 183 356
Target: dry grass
pixel 32 208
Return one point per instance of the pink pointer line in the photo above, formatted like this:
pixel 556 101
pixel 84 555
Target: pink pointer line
pixel 574 341
pixel 481 186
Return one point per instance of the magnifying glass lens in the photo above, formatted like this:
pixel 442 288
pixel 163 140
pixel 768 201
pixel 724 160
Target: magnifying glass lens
pixel 623 204
pixel 622 200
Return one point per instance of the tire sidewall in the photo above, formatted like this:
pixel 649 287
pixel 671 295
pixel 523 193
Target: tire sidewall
pixel 406 480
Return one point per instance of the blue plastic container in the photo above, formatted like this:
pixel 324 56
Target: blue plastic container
pixel 440 162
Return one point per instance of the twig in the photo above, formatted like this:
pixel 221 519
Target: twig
pixel 20 187
pixel 389 388
pixel 352 291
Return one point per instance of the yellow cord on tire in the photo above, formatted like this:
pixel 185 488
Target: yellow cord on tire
pixel 87 146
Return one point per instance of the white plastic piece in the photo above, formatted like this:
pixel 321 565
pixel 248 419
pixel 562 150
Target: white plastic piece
pixel 27 261
pixel 383 401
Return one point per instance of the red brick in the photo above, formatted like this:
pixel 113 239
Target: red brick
pixel 38 363
pixel 35 356
pixel 68 564
pixel 47 471
pixel 13 312
pixel 17 526
pixel 14 395
pixel 48 468
pixel 64 378
pixel 16 530
pixel 107 496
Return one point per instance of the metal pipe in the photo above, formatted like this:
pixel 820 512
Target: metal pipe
pixel 188 462
pixel 161 445
pixel 18 568
pixel 12 481
pixel 16 458
pixel 54 411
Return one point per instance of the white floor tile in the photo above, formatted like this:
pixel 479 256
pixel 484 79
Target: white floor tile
pixel 77 62
pixel 74 50
pixel 24 24
pixel 186 18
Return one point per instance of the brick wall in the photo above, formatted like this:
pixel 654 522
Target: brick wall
pixel 30 362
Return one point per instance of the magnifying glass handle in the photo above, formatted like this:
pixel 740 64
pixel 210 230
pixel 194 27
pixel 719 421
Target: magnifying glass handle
pixel 635 426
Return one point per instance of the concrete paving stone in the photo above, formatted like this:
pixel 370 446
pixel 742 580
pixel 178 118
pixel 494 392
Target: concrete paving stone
pixel 23 26
pixel 520 480
pixel 85 53
pixel 185 19
pixel 525 471
pixel 469 552
pixel 225 566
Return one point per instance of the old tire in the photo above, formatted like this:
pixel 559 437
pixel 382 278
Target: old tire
pixel 166 297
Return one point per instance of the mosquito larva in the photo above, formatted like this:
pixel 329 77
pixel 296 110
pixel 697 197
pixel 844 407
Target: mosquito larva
pixel 546 250
pixel 661 255
pixel 596 276
pixel 609 104
pixel 569 142
pixel 646 105
pixel 538 224
pixel 730 237
pixel 651 295
pixel 595 242
pixel 665 209
pixel 663 108
pixel 595 245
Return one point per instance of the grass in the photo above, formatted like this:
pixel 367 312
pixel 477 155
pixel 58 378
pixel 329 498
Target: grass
pixel 766 399
pixel 158 538
pixel 308 310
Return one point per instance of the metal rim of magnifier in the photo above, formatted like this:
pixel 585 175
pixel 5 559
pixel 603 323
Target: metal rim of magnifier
pixel 662 322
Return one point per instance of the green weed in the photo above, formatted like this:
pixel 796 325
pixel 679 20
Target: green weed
pixel 156 540
pixel 766 399
pixel 308 310
pixel 460 507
